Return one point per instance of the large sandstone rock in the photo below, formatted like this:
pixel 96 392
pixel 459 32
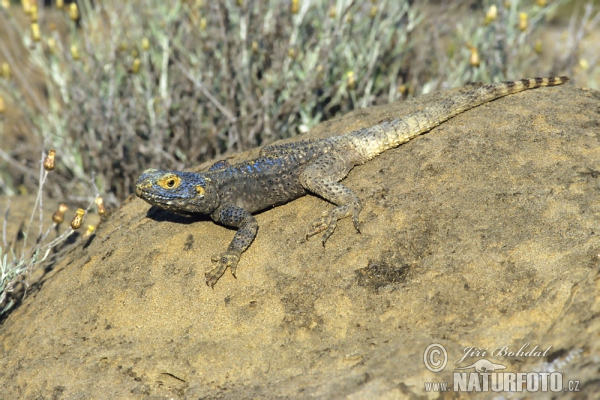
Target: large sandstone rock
pixel 483 233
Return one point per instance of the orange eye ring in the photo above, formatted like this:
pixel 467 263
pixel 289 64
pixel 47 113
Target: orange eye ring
pixel 169 182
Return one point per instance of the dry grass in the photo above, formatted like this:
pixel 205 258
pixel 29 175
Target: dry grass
pixel 129 85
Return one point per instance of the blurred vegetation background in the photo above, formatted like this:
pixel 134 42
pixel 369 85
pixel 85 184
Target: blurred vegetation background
pixel 117 87
pixel 94 92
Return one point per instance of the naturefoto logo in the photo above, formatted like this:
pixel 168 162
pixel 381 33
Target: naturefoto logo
pixel 484 365
pixel 487 375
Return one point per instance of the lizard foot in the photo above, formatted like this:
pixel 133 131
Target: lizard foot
pixel 326 223
pixel 224 260
pixel 328 220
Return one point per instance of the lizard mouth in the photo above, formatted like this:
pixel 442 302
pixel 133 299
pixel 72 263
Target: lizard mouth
pixel 146 194
pixel 156 199
pixel 144 191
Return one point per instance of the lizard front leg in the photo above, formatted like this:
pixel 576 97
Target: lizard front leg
pixel 322 177
pixel 231 215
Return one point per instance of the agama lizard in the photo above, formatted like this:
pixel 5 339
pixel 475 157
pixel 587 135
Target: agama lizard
pixel 284 172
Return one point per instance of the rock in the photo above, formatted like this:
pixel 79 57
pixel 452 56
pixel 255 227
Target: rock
pixel 481 234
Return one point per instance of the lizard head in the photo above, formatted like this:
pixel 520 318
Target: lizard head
pixel 178 191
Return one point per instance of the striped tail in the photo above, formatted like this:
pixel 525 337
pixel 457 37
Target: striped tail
pixel 372 141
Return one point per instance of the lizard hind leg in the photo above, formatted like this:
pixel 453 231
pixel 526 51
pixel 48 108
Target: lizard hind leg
pixel 322 177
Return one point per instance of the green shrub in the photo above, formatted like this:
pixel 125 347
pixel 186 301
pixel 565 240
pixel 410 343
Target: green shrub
pixel 129 85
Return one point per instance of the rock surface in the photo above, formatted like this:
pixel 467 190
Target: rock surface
pixel 483 233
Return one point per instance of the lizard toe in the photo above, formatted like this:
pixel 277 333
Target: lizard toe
pixel 326 223
pixel 328 233
pixel 356 222
pixel 317 227
pixel 214 274
pixel 225 260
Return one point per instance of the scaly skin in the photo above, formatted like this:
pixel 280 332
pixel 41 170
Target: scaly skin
pixel 284 172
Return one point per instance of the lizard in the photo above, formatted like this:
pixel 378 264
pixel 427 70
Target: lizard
pixel 230 194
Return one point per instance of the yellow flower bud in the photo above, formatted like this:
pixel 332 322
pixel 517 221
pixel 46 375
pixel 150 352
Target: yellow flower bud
pixel 332 12
pixel 584 64
pixel 73 12
pixel 538 47
pixel 541 3
pixel 52 45
pixel 135 68
pixel 90 229
pixel 373 11
pixel 6 71
pixel 474 58
pixel 350 78
pixel 2 106
pixel 6 4
pixel 74 52
pixel 26 6
pixel 100 205
pixel 78 220
pixel 295 6
pixel 60 4
pixel 59 215
pixel 33 13
pixel 202 23
pixel 523 21
pixel 492 14
pixel 145 44
pixel 49 161
pixel 35 32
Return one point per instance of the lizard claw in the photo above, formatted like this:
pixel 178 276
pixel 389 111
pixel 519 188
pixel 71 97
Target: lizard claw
pixel 224 260
pixel 328 220
pixel 326 223
pixel 355 213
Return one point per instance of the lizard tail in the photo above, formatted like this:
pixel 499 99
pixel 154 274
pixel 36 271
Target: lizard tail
pixel 370 142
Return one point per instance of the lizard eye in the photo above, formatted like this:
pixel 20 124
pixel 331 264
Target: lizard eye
pixel 169 182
